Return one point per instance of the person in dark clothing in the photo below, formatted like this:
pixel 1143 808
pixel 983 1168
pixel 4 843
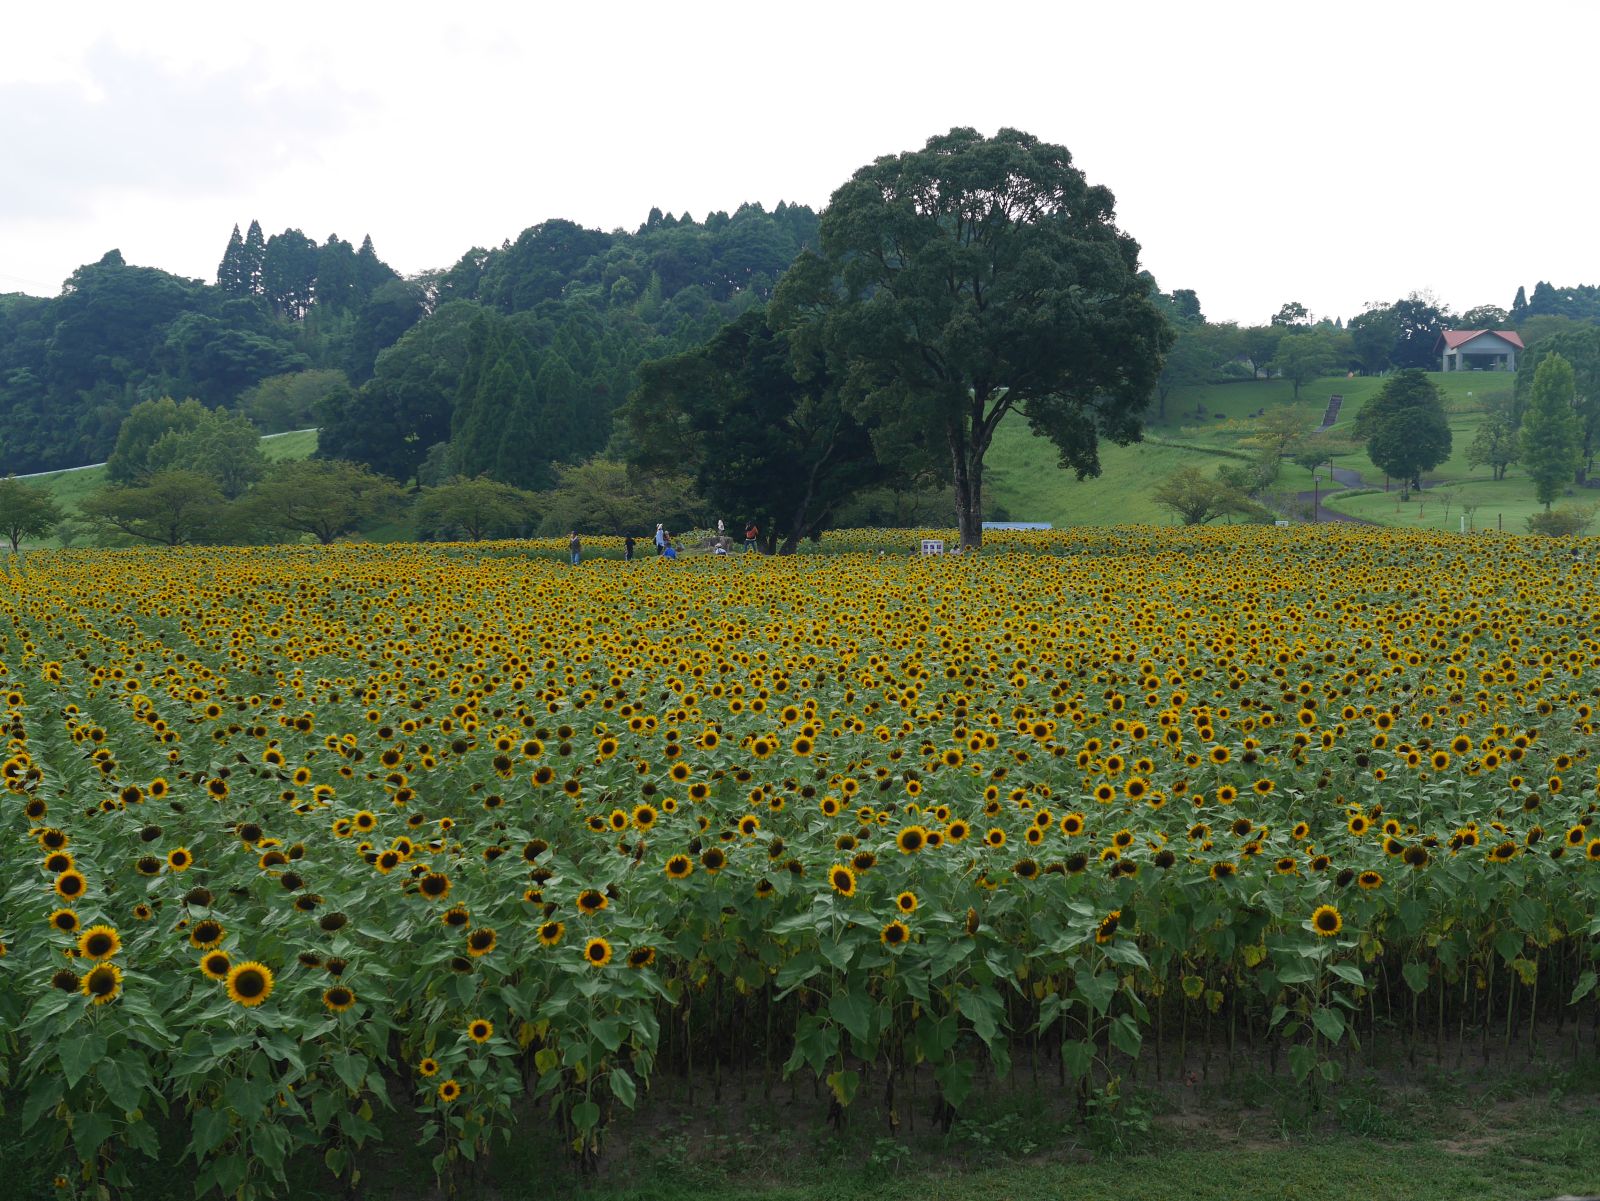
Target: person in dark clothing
pixel 627 549
pixel 575 545
pixel 751 533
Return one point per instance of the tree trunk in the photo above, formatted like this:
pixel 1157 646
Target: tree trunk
pixel 968 469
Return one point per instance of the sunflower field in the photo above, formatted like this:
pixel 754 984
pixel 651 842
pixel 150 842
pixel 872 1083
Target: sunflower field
pixel 304 845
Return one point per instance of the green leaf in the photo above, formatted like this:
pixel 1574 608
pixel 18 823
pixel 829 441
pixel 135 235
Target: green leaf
pixel 47 1092
pixel 335 1159
pixel 1125 1035
pixel 623 1086
pixel 1349 973
pixel 1078 1056
pixel 1301 1060
pixel 79 1054
pixel 955 1081
pixel 1509 944
pixel 981 1006
pixel 89 1130
pixel 1416 975
pixel 1096 989
pixel 119 1086
pixel 1296 971
pixel 547 1059
pixel 1585 985
pixel 210 1131
pixel 844 1084
pixel 1329 1022
pixel 585 1116
pixel 352 1069
pixel 853 1011
pixel 799 969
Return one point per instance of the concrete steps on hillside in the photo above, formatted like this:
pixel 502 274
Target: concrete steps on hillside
pixel 1335 403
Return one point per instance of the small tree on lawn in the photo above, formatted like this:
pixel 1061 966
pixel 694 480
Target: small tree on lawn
pixel 1198 498
pixel 1406 429
pixel 26 511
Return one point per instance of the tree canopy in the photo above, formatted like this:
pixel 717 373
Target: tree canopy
pixel 970 279
pixel 26 511
pixel 759 442
pixel 1405 428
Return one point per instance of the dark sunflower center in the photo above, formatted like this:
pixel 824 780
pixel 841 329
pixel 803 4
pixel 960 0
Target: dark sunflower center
pixel 99 944
pixel 250 983
pixel 102 981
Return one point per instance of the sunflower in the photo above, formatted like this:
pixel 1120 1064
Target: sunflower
pixel 99 942
pixel 1222 870
pixel 895 934
pixel 842 879
pixel 550 933
pixel 481 941
pixel 179 859
pixel 591 901
pixel 449 1091
pixel 339 998
pixel 435 886
pixel 206 934
pixel 249 984
pixel 911 840
pixel 1325 920
pixel 679 867
pixel 641 957
pixel 64 920
pixel 215 964
pixel 71 885
pixel 102 983
pixel 1369 880
pixel 428 1067
pixel 1107 929
pixel 480 1030
pixel 597 952
pixel 906 902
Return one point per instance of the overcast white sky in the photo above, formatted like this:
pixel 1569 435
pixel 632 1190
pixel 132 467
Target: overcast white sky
pixel 1260 152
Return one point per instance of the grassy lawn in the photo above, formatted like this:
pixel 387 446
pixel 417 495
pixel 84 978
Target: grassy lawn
pixel 1023 478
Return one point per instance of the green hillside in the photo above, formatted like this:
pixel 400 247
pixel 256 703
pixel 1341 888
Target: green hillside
pixel 1204 424
pixel 74 484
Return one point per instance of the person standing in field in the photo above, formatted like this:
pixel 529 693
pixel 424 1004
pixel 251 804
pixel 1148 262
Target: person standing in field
pixel 751 533
pixel 661 539
pixel 575 545
pixel 627 549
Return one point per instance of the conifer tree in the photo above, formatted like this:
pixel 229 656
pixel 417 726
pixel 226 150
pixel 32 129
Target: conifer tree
pixel 255 252
pixel 230 272
pixel 1550 434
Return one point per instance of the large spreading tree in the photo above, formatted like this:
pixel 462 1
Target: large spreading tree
pixel 761 443
pixel 975 278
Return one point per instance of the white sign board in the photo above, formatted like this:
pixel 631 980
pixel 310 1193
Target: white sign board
pixel 933 546
pixel 1282 525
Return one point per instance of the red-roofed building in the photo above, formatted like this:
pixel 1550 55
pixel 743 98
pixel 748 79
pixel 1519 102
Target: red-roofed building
pixel 1478 350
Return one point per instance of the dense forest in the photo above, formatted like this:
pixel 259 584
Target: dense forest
pixel 513 359
pixel 775 365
